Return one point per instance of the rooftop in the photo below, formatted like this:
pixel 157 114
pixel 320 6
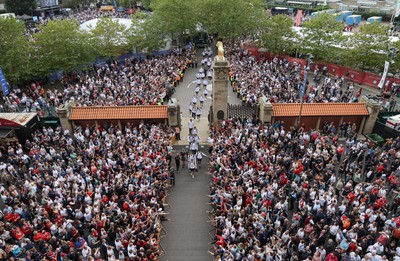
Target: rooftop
pixel 119 112
pixel 320 109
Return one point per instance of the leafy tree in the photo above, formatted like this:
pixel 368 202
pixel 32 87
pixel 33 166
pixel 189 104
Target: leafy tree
pixel 145 33
pixel 231 19
pixel 277 34
pixel 394 67
pixel 20 7
pixel 368 48
pixel 176 17
pixel 109 38
pixel 61 45
pixel 319 35
pixel 14 50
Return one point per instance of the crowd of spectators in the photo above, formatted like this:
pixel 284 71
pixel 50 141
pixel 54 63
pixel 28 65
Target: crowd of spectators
pixel 291 194
pixel 132 82
pixel 95 194
pixel 281 81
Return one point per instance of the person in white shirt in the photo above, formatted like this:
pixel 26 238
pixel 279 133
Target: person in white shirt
pixel 86 252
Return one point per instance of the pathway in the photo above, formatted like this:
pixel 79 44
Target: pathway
pixel 188 228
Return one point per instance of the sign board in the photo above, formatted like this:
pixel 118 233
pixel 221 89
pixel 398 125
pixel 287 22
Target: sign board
pixel 4 84
pixel 48 3
pixel 397 9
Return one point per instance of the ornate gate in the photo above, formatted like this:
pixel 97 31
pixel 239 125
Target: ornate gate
pixel 242 111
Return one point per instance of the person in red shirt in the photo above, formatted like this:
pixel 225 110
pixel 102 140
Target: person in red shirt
pixel 17 233
pixel 331 257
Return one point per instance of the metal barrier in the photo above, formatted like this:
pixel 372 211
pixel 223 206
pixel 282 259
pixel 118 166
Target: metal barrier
pixel 242 111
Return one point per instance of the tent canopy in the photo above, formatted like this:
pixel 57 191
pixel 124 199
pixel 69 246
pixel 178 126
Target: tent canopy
pixel 16 120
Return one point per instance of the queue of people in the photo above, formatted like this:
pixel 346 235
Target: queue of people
pixel 284 193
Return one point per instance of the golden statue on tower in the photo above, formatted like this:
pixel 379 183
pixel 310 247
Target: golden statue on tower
pixel 220 47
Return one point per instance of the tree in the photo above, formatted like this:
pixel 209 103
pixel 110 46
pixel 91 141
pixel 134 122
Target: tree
pixel 20 7
pixel 109 38
pixel 368 48
pixel 231 19
pixel 319 35
pixel 61 45
pixel 277 34
pixel 14 50
pixel 145 34
pixel 177 18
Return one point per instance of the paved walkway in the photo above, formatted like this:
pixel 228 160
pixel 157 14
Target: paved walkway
pixel 187 229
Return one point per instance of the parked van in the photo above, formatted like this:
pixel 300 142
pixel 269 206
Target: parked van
pixel 107 8
pixel 394 122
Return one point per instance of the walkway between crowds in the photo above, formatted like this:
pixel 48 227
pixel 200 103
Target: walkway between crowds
pixel 187 232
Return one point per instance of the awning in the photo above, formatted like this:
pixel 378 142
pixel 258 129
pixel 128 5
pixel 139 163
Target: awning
pixel 16 119
pixel 5 133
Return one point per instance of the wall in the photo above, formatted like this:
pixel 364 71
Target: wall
pixel 311 122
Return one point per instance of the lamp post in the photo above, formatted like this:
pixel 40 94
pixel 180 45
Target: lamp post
pixel 303 86
pixel 392 50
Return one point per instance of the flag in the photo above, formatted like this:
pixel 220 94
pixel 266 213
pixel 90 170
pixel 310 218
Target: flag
pixel 303 86
pixel 4 84
pixel 115 3
pixel 299 16
pixel 385 71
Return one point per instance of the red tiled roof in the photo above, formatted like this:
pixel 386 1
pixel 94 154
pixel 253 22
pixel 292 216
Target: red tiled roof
pixel 320 109
pixel 119 112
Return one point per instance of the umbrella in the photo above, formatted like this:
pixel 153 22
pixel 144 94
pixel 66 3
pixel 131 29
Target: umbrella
pixel 24 17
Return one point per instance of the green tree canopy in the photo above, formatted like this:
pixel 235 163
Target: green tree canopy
pixel 145 33
pixel 319 35
pixel 231 19
pixel 368 48
pixel 109 38
pixel 177 17
pixel 61 45
pixel 14 50
pixel 20 7
pixel 277 34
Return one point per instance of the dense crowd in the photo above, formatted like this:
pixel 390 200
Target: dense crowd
pixel 282 82
pixel 95 194
pixel 290 194
pixel 132 82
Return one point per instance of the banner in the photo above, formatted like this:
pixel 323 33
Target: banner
pixel 299 16
pixel 4 84
pixel 397 9
pixel 303 86
pixel 385 71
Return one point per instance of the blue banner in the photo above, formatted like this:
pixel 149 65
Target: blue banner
pixel 115 3
pixel 4 84
pixel 303 86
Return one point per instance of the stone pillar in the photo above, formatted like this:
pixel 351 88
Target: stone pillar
pixel 174 113
pixel 63 114
pixel 266 110
pixel 220 89
pixel 373 108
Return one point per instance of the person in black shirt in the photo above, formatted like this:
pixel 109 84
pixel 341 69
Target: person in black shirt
pixel 177 161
